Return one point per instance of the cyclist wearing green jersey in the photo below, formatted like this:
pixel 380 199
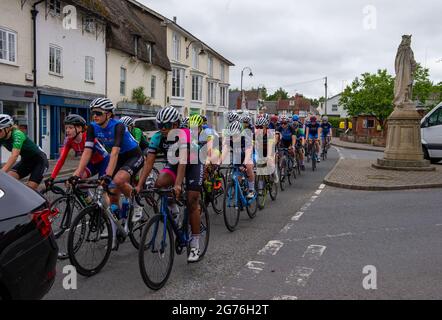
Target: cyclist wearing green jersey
pixel 33 160
pixel 137 133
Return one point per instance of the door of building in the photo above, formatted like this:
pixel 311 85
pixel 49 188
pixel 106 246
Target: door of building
pixel 44 130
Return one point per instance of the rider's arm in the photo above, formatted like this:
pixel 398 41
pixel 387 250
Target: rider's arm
pixel 12 159
pixel 293 138
pixel 87 153
pixel 62 159
pixel 148 166
pixel 119 138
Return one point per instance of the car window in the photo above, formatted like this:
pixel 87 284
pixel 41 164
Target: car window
pixel 146 125
pixel 435 118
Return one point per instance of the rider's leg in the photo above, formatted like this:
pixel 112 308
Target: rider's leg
pixel 251 179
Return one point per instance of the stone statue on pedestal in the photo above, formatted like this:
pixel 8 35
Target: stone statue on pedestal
pixel 405 65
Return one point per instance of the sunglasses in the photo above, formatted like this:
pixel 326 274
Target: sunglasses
pixel 259 127
pixel 284 123
pixel 97 113
pixel 165 125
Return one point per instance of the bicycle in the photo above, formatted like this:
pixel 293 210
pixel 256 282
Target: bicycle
pixel 235 199
pixel 312 153
pixel 214 187
pixel 266 184
pixel 325 147
pixel 97 222
pixel 162 237
pixel 298 152
pixel 285 167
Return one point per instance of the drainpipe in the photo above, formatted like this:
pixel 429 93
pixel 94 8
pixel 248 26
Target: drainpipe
pixel 34 13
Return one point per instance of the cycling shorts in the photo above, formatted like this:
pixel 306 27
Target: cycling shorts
pixel 313 136
pixel 100 168
pixel 194 175
pixel 35 166
pixel 131 162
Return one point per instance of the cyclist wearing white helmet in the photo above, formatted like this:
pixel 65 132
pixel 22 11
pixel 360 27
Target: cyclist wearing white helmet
pixel 173 174
pixel 137 133
pixel 33 163
pixel 240 147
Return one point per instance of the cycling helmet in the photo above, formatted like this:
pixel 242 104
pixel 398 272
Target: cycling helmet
pixel 274 118
pixel 204 119
pixel 246 119
pixel 262 122
pixel 102 103
pixel 325 118
pixel 75 120
pixel 128 121
pixel 195 121
pixel 295 117
pixel 232 116
pixel 283 119
pixel 6 121
pixel 168 114
pixel 184 123
pixel 234 128
pixel 313 119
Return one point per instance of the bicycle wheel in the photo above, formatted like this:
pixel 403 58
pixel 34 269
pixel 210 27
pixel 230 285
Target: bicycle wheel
pixel 231 208
pixel 204 231
pixel 155 256
pixel 289 170
pixel 262 191
pixel 218 196
pixel 137 223
pixel 314 161
pixel 252 208
pixel 52 194
pixel 282 174
pixel 90 241
pixel 273 188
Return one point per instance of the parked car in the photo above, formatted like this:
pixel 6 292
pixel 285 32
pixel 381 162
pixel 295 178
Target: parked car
pixel 28 251
pixel 431 134
pixel 148 125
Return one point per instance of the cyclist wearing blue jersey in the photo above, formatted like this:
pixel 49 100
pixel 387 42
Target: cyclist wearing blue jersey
pixel 126 158
pixel 326 129
pixel 313 130
pixel 287 136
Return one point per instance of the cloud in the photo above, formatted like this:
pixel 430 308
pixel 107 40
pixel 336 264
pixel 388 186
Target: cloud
pixel 287 42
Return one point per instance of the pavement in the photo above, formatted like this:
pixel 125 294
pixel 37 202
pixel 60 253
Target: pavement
pixel 356 146
pixel 69 167
pixel 358 174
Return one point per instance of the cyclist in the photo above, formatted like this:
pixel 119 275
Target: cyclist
pixel 313 129
pixel 173 173
pixel 137 133
pixel 184 123
pixel 273 122
pixel 125 160
pixel 262 134
pixel 33 163
pixel 300 139
pixel 287 137
pixel 326 132
pixel 236 138
pixel 75 127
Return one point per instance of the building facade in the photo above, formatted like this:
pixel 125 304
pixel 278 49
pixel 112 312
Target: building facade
pixel 334 108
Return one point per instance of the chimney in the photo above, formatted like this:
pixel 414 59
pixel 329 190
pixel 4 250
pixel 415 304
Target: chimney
pixel 174 19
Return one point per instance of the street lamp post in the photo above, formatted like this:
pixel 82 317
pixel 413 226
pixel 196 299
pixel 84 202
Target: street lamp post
pixel 187 49
pixel 242 94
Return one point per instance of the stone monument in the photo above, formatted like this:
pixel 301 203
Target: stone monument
pixel 404 149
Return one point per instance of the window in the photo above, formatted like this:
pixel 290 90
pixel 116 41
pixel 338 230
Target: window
pixel 55 60
pixel 136 45
pixel 368 123
pixel 195 58
pixel 153 85
pixel 44 121
pixel 8 46
pixel 176 46
pixel 222 72
pixel 197 88
pixel 89 24
pixel 210 66
pixel 334 108
pixel 89 69
pixel 178 82
pixel 223 96
pixel 149 52
pixel 55 7
pixel 122 81
pixel 435 118
pixel 211 93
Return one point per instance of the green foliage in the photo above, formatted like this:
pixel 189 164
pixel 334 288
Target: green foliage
pixel 422 86
pixel 278 94
pixel 138 95
pixel 371 94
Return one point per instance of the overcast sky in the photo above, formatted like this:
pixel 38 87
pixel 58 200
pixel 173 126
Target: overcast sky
pixel 286 42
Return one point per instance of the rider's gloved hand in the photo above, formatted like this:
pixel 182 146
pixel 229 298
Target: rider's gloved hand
pixel 49 182
pixel 106 180
pixel 73 180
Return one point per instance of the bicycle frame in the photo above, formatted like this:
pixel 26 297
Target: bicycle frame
pixel 236 173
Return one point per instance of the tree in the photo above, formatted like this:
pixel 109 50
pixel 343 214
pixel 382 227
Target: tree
pixel 422 86
pixel 278 94
pixel 372 94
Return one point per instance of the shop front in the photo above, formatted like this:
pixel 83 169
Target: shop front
pixel 53 110
pixel 18 102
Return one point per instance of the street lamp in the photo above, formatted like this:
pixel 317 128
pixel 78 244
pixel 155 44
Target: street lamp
pixel 242 94
pixel 202 51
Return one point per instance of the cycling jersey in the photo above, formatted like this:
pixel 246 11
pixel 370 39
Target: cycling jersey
pixel 19 140
pixel 137 133
pixel 114 135
pixel 287 133
pixel 326 127
pixel 99 153
pixel 313 129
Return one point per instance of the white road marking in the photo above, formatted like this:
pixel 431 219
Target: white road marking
pixel 272 247
pixel 285 298
pixel 314 252
pixel 299 276
pixel 287 227
pixel 318 192
pixel 297 216
pixel 255 266
pixel 313 198
pixel 322 186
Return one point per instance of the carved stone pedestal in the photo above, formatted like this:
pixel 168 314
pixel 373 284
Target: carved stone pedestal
pixel 404 149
